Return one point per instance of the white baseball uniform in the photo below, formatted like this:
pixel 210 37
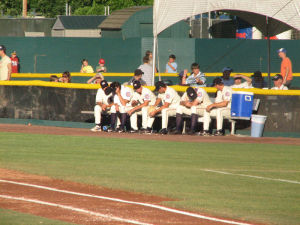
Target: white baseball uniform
pixel 127 94
pixel 102 98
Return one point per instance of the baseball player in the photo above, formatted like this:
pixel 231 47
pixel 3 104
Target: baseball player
pixel 143 97
pixel 104 102
pixel 122 101
pixel 222 106
pixel 193 102
pixel 170 101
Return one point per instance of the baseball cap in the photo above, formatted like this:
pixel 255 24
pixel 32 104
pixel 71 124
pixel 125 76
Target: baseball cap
pixel 281 50
pixel 227 69
pixel 236 78
pixel 138 72
pixel 101 61
pixel 14 53
pixel 103 84
pixel 2 48
pixel 218 81
pixel 277 77
pixel 136 84
pixel 159 84
pixel 191 93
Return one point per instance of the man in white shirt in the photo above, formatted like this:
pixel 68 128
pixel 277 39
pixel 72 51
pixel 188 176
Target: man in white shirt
pixel 5 64
pixel 238 81
pixel 278 83
pixel 104 101
pixel 170 101
pixel 222 106
pixel 193 102
pixel 147 70
pixel 142 99
pixel 122 102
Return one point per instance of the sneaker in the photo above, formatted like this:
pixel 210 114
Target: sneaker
pixel 121 130
pixel 96 128
pixel 177 132
pixel 111 130
pixel 191 132
pixel 218 133
pixel 133 131
pixel 204 133
pixel 163 131
pixel 148 131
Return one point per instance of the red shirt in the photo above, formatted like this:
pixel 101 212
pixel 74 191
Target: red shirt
pixel 14 65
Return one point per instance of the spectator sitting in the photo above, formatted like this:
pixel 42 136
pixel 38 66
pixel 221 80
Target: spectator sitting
pixel 101 68
pixel 239 84
pixel 226 79
pixel 85 67
pixel 137 76
pixel 54 78
pixel 258 80
pixel 171 66
pixel 278 83
pixel 96 79
pixel 66 77
pixel 147 70
pixel 196 79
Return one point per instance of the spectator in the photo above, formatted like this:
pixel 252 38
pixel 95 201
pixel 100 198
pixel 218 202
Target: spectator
pixel 85 67
pixel 137 76
pixel 147 70
pixel 96 79
pixel 15 62
pixel 226 79
pixel 66 77
pixel 196 79
pixel 5 64
pixel 171 66
pixel 239 84
pixel 101 68
pixel 286 68
pixel 258 80
pixel 278 83
pixel 54 78
pixel 150 56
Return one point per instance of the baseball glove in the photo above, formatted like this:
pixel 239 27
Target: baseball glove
pixel 151 108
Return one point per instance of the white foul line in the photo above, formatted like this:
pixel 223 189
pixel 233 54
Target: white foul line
pixel 129 202
pixel 74 209
pixel 257 177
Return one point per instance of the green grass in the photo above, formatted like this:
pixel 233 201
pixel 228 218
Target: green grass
pixel 9 217
pixel 170 169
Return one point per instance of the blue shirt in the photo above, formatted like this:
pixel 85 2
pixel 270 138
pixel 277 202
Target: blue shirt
pixel 191 80
pixel 169 69
pixel 229 82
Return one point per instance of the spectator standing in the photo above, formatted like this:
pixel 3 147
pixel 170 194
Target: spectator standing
pixel 238 81
pixel 286 67
pixel 5 64
pixel 15 62
pixel 85 67
pixel 137 77
pixel 101 68
pixel 278 83
pixel 196 79
pixel 147 70
pixel 150 56
pixel 171 66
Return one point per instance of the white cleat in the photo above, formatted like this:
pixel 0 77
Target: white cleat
pixel 96 128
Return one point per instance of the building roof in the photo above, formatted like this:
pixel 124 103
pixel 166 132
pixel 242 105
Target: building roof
pixel 119 17
pixel 78 22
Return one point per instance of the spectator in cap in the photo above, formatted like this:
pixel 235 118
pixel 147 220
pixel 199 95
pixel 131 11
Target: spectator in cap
pixel 138 73
pixel 278 83
pixel 147 70
pixel 96 79
pixel 286 67
pixel 171 66
pixel 222 107
pixel 15 62
pixel 142 99
pixel 85 67
pixel 5 64
pixel 238 81
pixel 196 79
pixel 258 80
pixel 104 103
pixel 170 101
pixel 226 79
pixel 101 68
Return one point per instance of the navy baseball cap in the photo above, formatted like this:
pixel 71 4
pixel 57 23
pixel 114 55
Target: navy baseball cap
pixel 136 84
pixel 217 81
pixel 159 84
pixel 277 77
pixel 281 50
pixel 138 72
pixel 103 84
pixel 227 69
pixel 191 93
pixel 2 48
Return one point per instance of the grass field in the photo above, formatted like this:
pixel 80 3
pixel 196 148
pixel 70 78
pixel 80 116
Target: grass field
pixel 172 169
